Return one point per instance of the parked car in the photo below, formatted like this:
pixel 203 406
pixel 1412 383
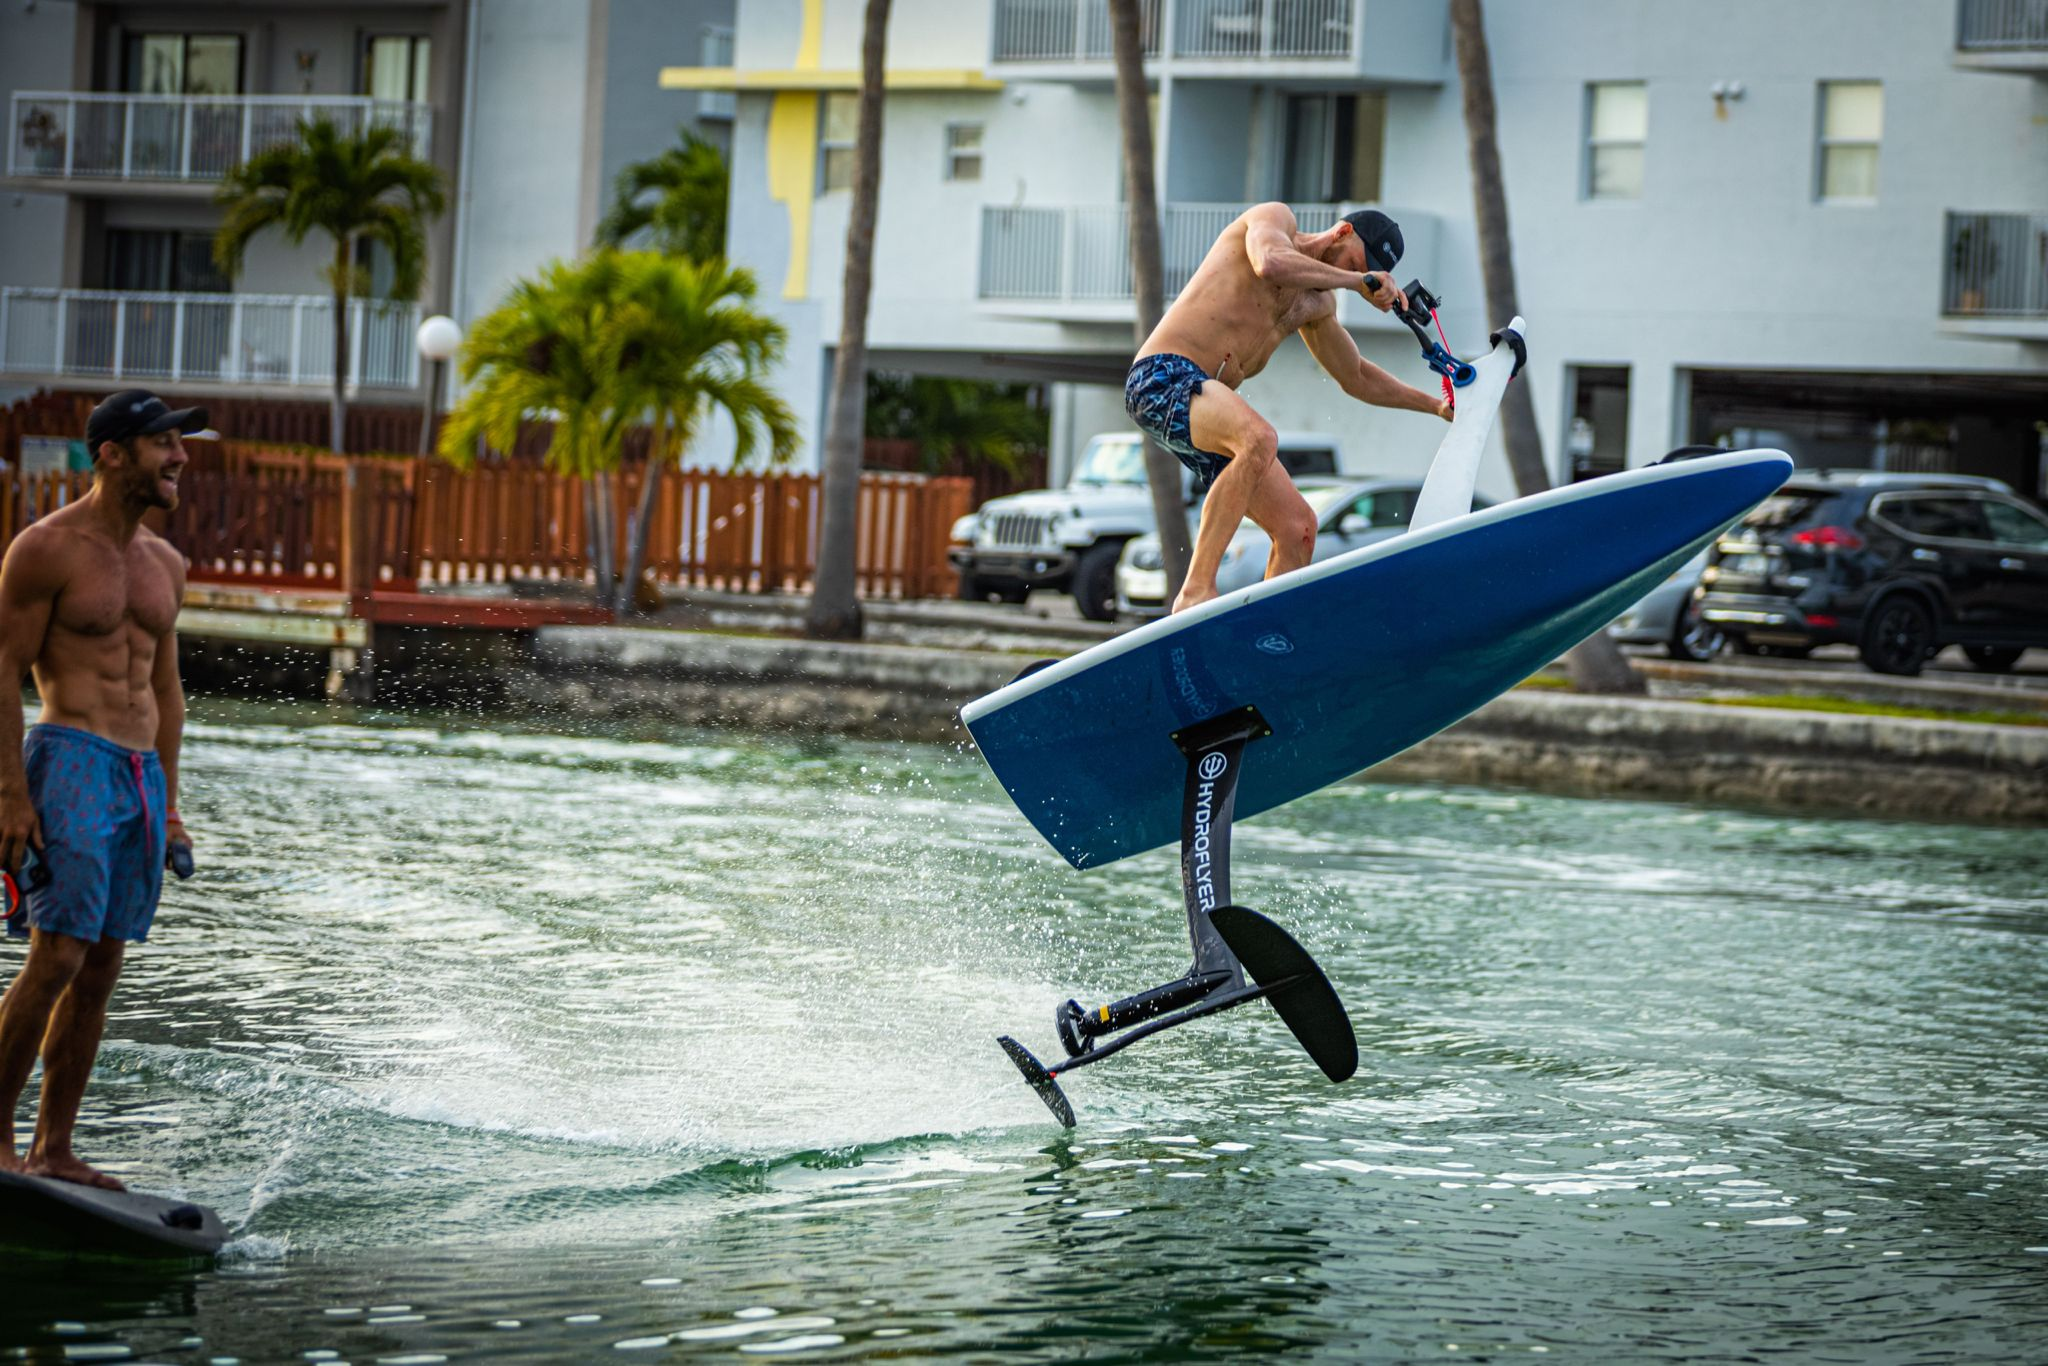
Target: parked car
pixel 1350 514
pixel 1068 540
pixel 1668 616
pixel 1898 565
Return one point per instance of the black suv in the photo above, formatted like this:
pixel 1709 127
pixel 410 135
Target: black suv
pixel 1897 565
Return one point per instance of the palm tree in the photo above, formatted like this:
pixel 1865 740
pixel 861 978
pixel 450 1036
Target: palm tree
pixel 835 610
pixel 692 343
pixel 677 199
pixel 549 350
pixel 1596 663
pixel 1148 273
pixel 602 343
pixel 354 187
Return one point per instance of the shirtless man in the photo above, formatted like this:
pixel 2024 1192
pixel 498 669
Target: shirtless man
pixel 88 599
pixel 1263 279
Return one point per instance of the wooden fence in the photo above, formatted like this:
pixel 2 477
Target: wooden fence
pixel 278 519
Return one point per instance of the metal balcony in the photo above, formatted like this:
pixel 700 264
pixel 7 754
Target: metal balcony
pixel 1074 261
pixel 1997 274
pixel 1055 32
pixel 2003 35
pixel 1305 41
pixel 256 339
pixel 106 140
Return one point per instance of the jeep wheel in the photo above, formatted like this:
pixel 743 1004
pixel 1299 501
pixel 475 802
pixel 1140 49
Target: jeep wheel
pixel 1095 581
pixel 1899 637
pixel 1993 659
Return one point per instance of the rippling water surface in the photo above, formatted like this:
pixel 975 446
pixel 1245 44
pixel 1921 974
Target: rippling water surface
pixel 500 1046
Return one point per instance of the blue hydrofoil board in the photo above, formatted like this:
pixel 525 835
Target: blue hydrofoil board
pixel 1349 661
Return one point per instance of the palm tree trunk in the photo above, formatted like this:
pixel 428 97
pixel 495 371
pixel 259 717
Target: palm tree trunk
pixel 835 610
pixel 1596 663
pixel 1148 271
pixel 596 537
pixel 643 516
pixel 337 423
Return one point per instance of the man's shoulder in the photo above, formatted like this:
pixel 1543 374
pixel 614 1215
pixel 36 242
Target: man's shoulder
pixel 1272 212
pixel 45 552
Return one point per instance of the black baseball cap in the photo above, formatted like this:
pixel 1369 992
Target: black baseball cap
pixel 138 412
pixel 1379 235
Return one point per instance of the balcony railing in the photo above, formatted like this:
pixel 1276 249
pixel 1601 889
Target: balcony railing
pixel 1065 30
pixel 64 135
pixel 232 338
pixel 1204 30
pixel 1081 254
pixel 1997 266
pixel 2002 26
pixel 1264 29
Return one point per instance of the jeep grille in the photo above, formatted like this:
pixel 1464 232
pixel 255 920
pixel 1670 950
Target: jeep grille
pixel 1017 529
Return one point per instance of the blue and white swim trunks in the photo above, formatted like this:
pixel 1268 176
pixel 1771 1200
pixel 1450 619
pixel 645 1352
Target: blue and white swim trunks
pixel 102 808
pixel 1157 393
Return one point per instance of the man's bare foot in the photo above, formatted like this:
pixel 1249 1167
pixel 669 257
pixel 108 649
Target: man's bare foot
pixel 1191 596
pixel 72 1170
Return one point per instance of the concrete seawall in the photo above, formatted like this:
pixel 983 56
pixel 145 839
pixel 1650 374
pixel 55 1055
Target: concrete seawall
pixel 1879 766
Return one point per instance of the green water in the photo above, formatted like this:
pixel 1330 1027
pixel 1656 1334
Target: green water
pixel 523 1046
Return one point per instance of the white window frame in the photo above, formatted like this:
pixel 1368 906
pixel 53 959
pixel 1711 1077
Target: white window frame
pixel 826 146
pixel 1822 143
pixel 955 155
pixel 1593 143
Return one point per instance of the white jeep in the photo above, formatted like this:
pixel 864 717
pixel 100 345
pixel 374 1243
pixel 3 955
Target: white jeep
pixel 1068 540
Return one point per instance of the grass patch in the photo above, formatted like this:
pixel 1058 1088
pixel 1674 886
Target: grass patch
pixel 1852 707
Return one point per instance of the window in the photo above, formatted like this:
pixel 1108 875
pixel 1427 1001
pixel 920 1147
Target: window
pixel 963 151
pixel 1617 123
pixel 1951 518
pixel 714 48
pixel 1851 123
pixel 1332 149
pixel 2012 524
pixel 840 121
pixel 395 67
pixel 184 64
pixel 162 262
pixel 1386 508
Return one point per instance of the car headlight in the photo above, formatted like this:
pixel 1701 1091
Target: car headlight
pixel 1147 557
pixel 963 529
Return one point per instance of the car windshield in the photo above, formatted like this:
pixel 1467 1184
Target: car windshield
pixel 1320 499
pixel 1110 460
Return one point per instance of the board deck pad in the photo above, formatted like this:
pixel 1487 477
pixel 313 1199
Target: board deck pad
pixel 41 1215
pixel 1351 660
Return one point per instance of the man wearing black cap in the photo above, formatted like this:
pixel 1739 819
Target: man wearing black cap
pixel 89 601
pixel 1263 280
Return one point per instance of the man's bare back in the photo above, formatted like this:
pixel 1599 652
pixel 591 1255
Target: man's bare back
pixel 1230 321
pixel 1262 281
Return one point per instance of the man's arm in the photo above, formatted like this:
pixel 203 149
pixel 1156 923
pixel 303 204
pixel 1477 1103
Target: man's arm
pixel 1269 243
pixel 1337 353
pixel 30 578
pixel 170 700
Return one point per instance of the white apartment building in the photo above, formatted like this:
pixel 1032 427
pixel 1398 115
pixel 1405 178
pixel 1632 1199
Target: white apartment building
pixel 1822 225
pixel 123 116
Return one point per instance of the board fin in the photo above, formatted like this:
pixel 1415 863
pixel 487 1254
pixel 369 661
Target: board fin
pixel 1040 1079
pixel 1296 987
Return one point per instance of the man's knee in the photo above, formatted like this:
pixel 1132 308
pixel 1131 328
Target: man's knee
pixel 1258 449
pixel 56 958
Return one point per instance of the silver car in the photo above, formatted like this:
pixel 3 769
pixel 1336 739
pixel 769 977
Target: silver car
pixel 1350 513
pixel 1668 616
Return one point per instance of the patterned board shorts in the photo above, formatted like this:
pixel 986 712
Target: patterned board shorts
pixel 102 809
pixel 1156 395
